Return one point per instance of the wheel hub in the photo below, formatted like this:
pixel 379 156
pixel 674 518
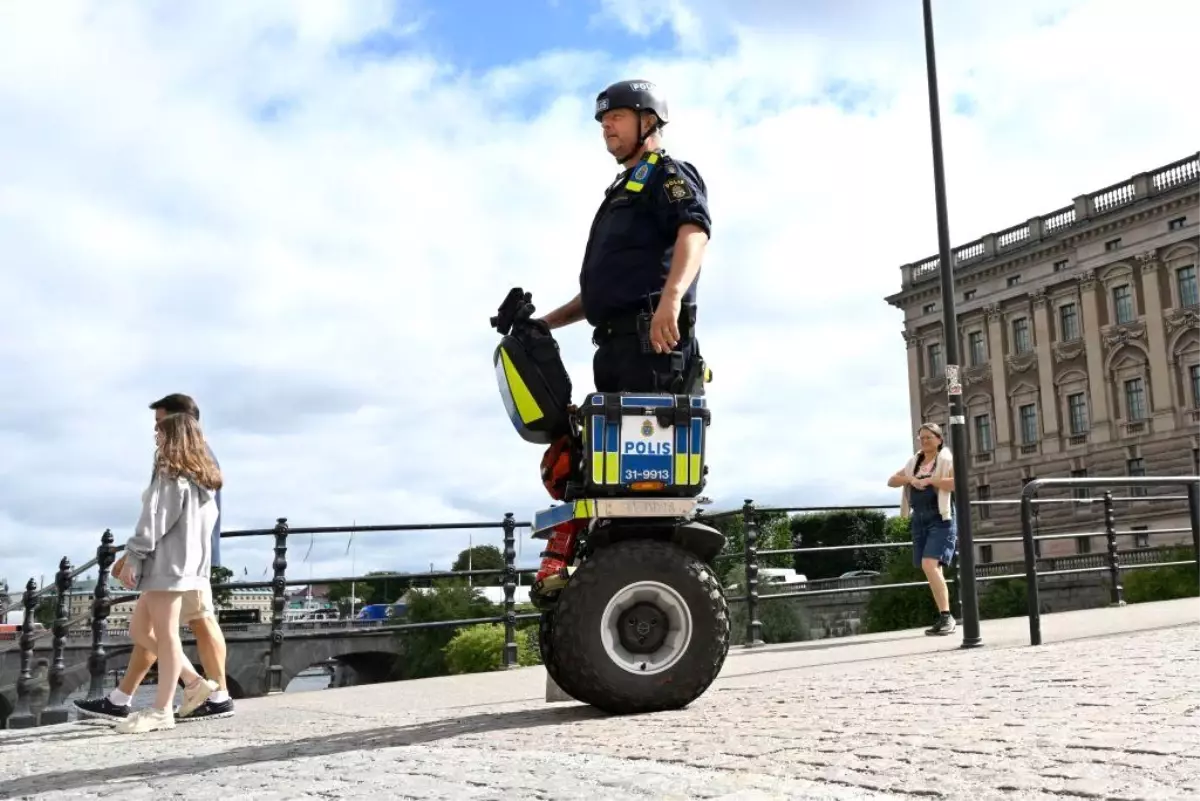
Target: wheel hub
pixel 643 628
pixel 646 627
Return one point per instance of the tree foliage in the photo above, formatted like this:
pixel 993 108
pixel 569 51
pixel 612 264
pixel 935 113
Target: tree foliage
pixel 481 557
pixel 220 575
pixel 837 528
pixel 480 648
pixel 448 600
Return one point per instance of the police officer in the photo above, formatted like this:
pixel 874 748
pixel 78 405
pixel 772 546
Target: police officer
pixel 637 286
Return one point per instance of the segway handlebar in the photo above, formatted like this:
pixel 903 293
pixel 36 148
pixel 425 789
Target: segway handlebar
pixel 517 307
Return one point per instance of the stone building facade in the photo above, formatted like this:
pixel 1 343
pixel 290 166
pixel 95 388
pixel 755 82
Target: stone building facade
pixel 1080 350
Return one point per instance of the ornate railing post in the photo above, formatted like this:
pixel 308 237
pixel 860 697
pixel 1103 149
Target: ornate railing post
pixel 22 716
pixel 750 532
pixel 279 588
pixel 98 660
pixel 957 594
pixel 55 711
pixel 510 588
pixel 1114 562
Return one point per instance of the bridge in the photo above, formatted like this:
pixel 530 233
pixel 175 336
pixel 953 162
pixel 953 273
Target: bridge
pixel 1107 707
pixel 364 652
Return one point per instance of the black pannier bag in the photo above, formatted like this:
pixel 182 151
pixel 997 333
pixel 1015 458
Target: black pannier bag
pixel 533 380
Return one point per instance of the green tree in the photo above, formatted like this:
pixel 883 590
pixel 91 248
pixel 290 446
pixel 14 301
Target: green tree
pixel 220 575
pixel 773 534
pixel 340 595
pixel 46 611
pixel 836 528
pixel 481 557
pixel 448 600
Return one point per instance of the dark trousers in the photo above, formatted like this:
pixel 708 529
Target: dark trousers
pixel 619 365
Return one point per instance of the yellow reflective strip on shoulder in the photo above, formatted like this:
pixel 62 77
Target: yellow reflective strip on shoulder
pixel 634 186
pixel 527 407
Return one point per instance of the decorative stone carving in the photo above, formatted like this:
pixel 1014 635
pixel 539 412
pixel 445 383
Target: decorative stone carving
pixel 934 383
pixel 977 374
pixel 1065 351
pixel 1087 279
pixel 1148 260
pixel 1116 336
pixel 1039 298
pixel 992 310
pixel 1181 318
pixel 911 339
pixel 1021 362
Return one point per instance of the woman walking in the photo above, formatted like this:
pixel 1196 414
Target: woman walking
pixel 170 553
pixel 927 480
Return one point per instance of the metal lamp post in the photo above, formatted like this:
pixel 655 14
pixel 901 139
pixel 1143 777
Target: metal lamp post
pixel 959 445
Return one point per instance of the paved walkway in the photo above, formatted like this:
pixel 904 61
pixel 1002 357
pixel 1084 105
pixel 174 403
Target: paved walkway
pixel 1108 708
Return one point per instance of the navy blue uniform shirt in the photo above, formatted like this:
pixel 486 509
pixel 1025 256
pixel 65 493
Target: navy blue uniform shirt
pixel 629 250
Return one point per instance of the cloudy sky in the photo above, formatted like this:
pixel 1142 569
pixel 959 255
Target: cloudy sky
pixel 304 212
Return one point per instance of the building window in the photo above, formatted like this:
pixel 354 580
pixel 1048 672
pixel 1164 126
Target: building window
pixel 1141 536
pixel 1013 280
pixel 1068 322
pixel 983 433
pixel 1083 545
pixel 1080 493
pixel 1185 280
pixel 928 308
pixel 975 348
pixel 1059 266
pixel 969 294
pixel 1177 223
pixel 985 554
pixel 1020 332
pixel 1135 468
pixel 1029 426
pixel 1077 413
pixel 1123 304
pixel 984 493
pixel 1194 374
pixel 1112 244
pixel 935 359
pixel 1135 400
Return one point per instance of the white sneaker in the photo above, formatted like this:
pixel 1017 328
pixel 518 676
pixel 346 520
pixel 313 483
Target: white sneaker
pixel 145 720
pixel 195 695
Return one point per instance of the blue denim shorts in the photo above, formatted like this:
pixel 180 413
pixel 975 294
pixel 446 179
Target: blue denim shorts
pixel 933 538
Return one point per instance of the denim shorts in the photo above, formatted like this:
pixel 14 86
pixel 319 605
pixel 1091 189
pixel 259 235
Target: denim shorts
pixel 933 538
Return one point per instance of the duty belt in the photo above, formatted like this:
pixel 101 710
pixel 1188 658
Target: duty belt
pixel 639 325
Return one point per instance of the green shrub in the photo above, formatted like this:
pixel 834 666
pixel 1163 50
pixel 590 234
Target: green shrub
pixel 1162 583
pixel 480 648
pixel 784 620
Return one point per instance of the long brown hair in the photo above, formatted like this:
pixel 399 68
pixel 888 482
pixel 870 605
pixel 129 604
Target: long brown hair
pixel 183 452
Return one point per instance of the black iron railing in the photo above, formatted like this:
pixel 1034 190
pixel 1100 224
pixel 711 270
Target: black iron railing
pixel 278 633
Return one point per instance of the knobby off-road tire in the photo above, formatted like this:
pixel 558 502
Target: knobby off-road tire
pixel 568 682
pixel 669 597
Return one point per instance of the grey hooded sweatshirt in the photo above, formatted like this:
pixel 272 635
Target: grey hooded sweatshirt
pixel 172 543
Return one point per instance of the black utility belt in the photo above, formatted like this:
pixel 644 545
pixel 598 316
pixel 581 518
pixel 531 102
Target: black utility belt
pixel 638 325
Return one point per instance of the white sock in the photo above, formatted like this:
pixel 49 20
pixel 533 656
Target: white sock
pixel 219 697
pixel 119 698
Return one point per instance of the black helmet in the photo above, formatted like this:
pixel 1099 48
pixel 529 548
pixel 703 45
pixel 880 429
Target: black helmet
pixel 638 95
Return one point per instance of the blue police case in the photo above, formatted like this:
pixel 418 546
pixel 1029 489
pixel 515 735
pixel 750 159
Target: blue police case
pixel 637 444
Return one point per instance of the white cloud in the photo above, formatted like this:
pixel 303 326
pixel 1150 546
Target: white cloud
pixel 208 199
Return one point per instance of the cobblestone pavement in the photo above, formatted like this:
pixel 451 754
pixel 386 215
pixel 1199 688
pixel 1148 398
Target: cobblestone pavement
pixel 1109 718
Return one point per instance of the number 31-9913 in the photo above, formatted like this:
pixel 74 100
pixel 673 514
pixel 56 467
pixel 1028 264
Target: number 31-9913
pixel 647 475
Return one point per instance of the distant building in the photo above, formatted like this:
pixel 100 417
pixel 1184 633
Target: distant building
pixel 1080 349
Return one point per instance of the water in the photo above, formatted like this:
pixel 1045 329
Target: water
pixel 143 697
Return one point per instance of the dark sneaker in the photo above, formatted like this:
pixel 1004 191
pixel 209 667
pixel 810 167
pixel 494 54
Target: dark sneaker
pixel 209 710
pixel 945 625
pixel 101 708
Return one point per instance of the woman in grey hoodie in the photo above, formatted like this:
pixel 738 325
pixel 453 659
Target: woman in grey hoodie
pixel 169 554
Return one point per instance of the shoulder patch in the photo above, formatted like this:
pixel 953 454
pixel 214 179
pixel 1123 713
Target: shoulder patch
pixel 677 190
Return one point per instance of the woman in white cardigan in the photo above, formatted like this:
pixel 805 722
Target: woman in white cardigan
pixel 928 481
